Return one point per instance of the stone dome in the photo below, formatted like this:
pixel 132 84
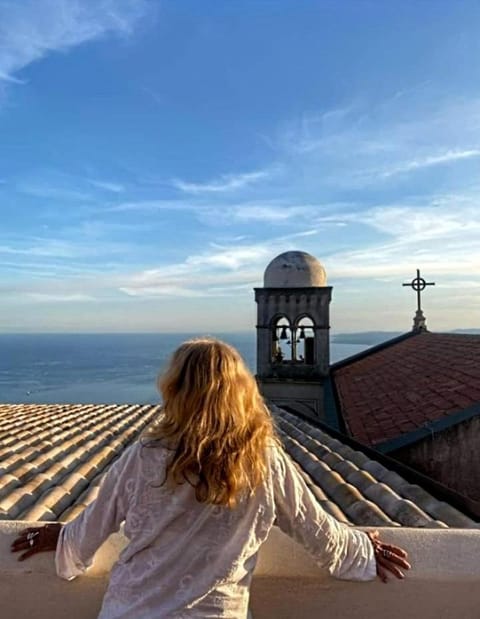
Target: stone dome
pixel 294 269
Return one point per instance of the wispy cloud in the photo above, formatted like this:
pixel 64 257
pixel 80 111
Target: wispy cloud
pixel 41 248
pixel 230 257
pixel 108 186
pixel 220 270
pixel 441 240
pixel 270 213
pixel 60 186
pixel 433 160
pixel 378 145
pixel 228 214
pixel 148 206
pixel 59 298
pixel 32 29
pixel 45 189
pixel 225 183
pixel 81 247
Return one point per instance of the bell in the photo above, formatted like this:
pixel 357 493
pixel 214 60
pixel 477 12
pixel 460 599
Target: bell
pixel 302 333
pixel 283 334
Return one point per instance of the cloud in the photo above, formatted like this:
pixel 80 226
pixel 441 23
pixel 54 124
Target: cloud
pixel 84 246
pixel 108 186
pixel 57 185
pixel 41 248
pixel 417 224
pixel 226 183
pixel 10 79
pixel 149 206
pixel 271 213
pixel 59 298
pixel 43 188
pixel 32 29
pixel 221 270
pixel 230 257
pixel 60 186
pixel 377 144
pixel 432 160
pixel 442 241
pixel 229 214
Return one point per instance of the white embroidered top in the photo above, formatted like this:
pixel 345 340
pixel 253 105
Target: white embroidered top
pixel 186 559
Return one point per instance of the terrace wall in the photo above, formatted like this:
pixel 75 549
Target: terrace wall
pixel 443 583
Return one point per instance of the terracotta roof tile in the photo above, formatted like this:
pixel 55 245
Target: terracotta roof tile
pixel 65 451
pixel 364 491
pixel 400 387
pixel 55 455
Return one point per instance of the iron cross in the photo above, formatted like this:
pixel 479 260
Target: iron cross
pixel 418 284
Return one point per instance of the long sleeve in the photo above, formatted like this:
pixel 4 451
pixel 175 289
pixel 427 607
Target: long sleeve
pixel 346 552
pixel 80 538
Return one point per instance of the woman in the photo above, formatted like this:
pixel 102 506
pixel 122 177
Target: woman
pixel 199 494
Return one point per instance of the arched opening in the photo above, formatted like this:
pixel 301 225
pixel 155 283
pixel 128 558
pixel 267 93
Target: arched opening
pixel 281 340
pixel 304 342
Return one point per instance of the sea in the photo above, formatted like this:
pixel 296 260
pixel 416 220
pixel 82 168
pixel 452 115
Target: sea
pixel 103 368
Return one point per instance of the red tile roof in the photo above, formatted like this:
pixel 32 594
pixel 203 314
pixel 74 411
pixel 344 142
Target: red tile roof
pixel 399 387
pixel 53 457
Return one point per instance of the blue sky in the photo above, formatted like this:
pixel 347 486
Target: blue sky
pixel 155 156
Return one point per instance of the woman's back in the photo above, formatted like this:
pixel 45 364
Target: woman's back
pixel 183 553
pixel 191 559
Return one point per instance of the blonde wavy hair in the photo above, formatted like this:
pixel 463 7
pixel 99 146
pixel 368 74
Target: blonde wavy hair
pixel 215 421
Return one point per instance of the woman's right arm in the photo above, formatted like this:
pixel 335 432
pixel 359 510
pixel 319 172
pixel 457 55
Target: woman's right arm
pixel 348 554
pixel 80 539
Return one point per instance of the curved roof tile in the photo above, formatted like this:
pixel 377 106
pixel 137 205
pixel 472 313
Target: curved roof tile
pixel 53 457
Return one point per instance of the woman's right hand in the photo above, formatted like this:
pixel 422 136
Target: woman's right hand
pixel 36 539
pixel 389 558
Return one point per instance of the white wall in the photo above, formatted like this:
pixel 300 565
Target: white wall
pixel 443 583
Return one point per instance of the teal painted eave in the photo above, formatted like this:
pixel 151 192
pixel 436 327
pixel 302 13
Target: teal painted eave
pixel 332 417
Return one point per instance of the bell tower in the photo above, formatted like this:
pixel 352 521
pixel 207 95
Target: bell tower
pixel 293 322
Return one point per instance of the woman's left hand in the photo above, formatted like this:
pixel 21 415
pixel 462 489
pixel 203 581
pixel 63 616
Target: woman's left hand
pixel 389 558
pixel 36 539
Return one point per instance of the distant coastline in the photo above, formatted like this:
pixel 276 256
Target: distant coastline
pixel 372 338
pixel 364 338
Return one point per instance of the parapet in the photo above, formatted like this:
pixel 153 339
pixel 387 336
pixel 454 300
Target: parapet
pixel 287 583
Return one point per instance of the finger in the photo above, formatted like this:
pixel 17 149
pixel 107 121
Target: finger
pixel 391 567
pixel 33 551
pixel 381 573
pixel 395 549
pixel 27 554
pixel 22 536
pixel 393 558
pixel 399 561
pixel 21 539
pixel 30 530
pixel 15 547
